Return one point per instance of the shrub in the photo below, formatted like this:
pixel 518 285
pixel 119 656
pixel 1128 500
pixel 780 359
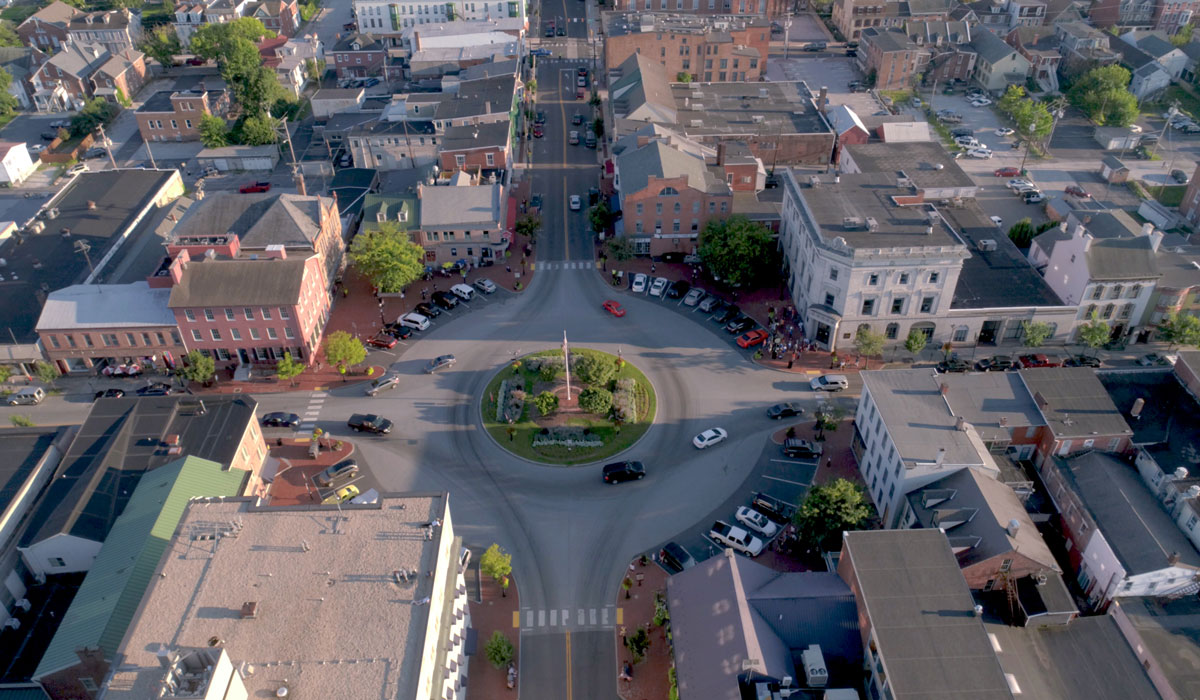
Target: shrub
pixel 638 643
pixel 547 373
pixel 597 401
pixel 597 370
pixel 499 650
pixel 546 403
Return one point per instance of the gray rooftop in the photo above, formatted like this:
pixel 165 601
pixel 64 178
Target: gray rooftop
pixel 728 608
pixel 355 41
pixel 20 451
pixel 622 24
pixel 240 282
pixel 990 47
pixel 489 69
pixel 888 40
pixel 987 399
pixel 917 603
pixel 119 441
pixel 80 60
pixel 1170 631
pixel 487 135
pixel 330 617
pixel 656 159
pixel 927 164
pixel 258 219
pixel 1140 531
pixel 1073 402
pixel 1087 659
pixel 338 94
pixel 469 207
pixel 917 418
pixel 1168 426
pixel 1179 266
pixel 642 92
pixel 84 306
pixel 1000 278
pixel 782 108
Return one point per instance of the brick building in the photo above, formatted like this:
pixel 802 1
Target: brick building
pixel 741 8
pixel 279 16
pixel 175 116
pixel 853 16
pixel 708 49
pixel 115 30
pixel 46 29
pixel 462 222
pixel 478 149
pixel 892 57
pixel 359 55
pixel 79 72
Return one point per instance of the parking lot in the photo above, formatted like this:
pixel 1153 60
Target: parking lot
pixel 438 283
pixel 833 72
pixel 721 316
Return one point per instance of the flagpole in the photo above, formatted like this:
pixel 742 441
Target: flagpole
pixel 567 364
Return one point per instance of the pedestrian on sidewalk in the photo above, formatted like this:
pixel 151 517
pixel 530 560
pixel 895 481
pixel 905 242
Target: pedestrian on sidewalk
pixel 424 294
pixel 652 268
pixel 345 292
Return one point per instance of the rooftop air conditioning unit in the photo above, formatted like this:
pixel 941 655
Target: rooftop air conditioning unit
pixel 987 244
pixel 697 123
pixel 757 119
pixel 815 672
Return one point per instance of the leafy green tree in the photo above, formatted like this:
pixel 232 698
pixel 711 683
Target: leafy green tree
pixel 828 420
pixel 496 563
pixel 1103 95
pixel 594 369
pixel 596 400
pixel 620 248
pixel 1180 329
pixel 213 132
pixel 868 343
pixel 637 644
pixel 257 130
pixel 531 88
pixel 1021 233
pixel 343 349
pixel 314 69
pixel 8 103
pixel 95 113
pixel 1035 333
pixel 546 402
pixel 1030 119
pixel 198 366
pixel 1013 96
pixel 8 34
pixel 1095 332
pixel 737 250
pixel 600 216
pixel 683 77
pixel 212 41
pixel 1184 35
pixel 20 421
pixel 287 368
pixel 915 342
pixel 828 511
pixel 598 127
pixel 498 650
pixel 162 45
pixel 6 373
pixel 387 257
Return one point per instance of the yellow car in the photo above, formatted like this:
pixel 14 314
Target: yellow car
pixel 341 495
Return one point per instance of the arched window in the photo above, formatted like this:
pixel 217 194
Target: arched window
pixel 893 329
pixel 668 192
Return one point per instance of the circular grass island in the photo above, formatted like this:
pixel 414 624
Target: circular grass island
pixel 526 410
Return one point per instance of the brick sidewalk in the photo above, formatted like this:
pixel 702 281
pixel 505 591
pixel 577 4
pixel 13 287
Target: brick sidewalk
pixel 293 484
pixel 649 680
pixel 838 460
pixel 494 612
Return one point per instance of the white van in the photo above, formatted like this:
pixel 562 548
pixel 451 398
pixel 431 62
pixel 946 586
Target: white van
pixel 463 292
pixel 29 396
pixel 371 496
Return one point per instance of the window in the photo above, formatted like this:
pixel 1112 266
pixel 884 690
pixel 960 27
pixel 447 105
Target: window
pixel 960 334
pixel 131 340
pixel 272 334
pixel 54 341
pixel 228 314
pixel 57 561
pixel 87 340
pixel 1006 564
pixel 833 273
pixel 868 307
pixel 873 279
pixel 1115 292
pixel 287 333
pixel 284 314
pixel 70 341
pixel 237 335
pixel 490 158
pixel 676 207
pixel 1098 293
pixel 208 315
pixel 1108 311
pixel 933 277
pixel 927 305
pixel 146 339
pixel 248 313
pixel 829 299
pixel 254 334
pixel 898 305
pixel 658 207
pixel 266 313
pixel 1135 291
pixel 188 123
pixel 639 208
pixel 903 278
pixel 1191 523
pixel 196 336
pixel 187 313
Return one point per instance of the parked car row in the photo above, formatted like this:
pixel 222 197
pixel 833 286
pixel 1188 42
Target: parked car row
pixel 421 317
pixel 724 313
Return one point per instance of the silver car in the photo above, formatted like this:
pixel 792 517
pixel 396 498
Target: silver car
pixel 693 297
pixel 389 381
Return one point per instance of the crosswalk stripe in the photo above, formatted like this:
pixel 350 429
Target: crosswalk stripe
pixel 541 618
pixel 553 618
pixel 604 616
pixel 580 618
pixel 592 615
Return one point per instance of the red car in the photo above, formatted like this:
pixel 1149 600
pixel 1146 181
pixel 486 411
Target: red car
pixel 350 26
pixel 579 93
pixel 1077 191
pixel 382 340
pixel 196 61
pixel 749 340
pixel 1027 361
pixel 538 132
pixel 256 187
pixel 1007 172
pixel 614 308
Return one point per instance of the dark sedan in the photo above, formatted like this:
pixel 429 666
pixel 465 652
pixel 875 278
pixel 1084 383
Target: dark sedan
pixel 617 472
pixel 678 289
pixel 1082 361
pixel 739 325
pixel 281 419
pixel 444 299
pixel 370 423
pixel 398 331
pixel 954 365
pixel 675 558
pixel 428 310
pixel 110 394
pixel 728 314
pixel 789 409
pixel 155 389
pixel 996 363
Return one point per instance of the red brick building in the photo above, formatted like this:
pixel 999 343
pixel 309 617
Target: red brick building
pixel 709 49
pixel 358 56
pixel 175 116
pixel 280 16
pixel 478 149
pixel 46 29
pixel 86 71
pixel 890 56
pixel 743 8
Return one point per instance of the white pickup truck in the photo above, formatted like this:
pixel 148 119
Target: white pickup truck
pixel 736 538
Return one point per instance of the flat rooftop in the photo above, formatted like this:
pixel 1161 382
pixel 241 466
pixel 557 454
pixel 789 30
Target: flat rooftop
pixel 331 619
pixel 917 602
pixel 20 451
pixel 622 24
pixel 1170 630
pixel 48 261
pixel 992 279
pixel 1168 426
pixel 747 108
pixel 993 402
pixel 1074 402
pixel 917 418
pixel 926 163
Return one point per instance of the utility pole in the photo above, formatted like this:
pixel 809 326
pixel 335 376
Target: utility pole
pixel 297 174
pixel 82 246
pixel 150 154
pixel 107 145
pixel 787 34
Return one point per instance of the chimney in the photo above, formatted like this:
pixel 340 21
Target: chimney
pixel 960 424
pixel 300 187
pixel 276 251
pixel 164 656
pixel 177 266
pixel 1014 526
pixel 249 610
pixel 1155 240
pixel 721 152
pixel 823 100
pixel 1147 228
pixel 91 204
pixel 1173 559
pixel 941 457
pixel 1003 421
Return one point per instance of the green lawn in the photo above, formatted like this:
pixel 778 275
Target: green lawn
pixel 1167 195
pixel 1187 101
pixel 521 443
pixel 19 13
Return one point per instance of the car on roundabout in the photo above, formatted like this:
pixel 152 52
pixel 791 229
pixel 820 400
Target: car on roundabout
pixel 788 409
pixel 614 308
pixel 618 472
pixel 370 423
pixel 440 362
pixel 709 437
pixel 830 382
pixel 390 381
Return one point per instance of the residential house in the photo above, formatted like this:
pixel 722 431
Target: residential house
pixel 297 58
pixel 116 30
pixel 388 145
pixel 433 64
pixel 1039 46
pixel 947 49
pixel 327 102
pixel 399 210
pixel 85 327
pixel 121 77
pixel 1111 277
pixel 21 62
pixel 1127 14
pixel 290 69
pixel 1148 78
pixel 1190 205
pixel 359 55
pixel 1083 47
pixel 279 16
pixel 991 15
pixel 707 48
pixel 390 18
pixel 79 72
pixel 463 222
pixel 478 149
pixel 889 55
pixel 1162 631
pixel 852 17
pixel 1178 290
pixel 190 16
pixel 667 196
pixel 422 621
pixel 640 91
pixel 998 65
pixel 46 29
pixel 15 163
pixel 479 101
pixel 86 642
pixel 1174 15
pixel 1100 223
pixel 175 116
pixel 457 34
pixel 847 127
pixel 119 442
pixel 1078 412
pixel 1158 46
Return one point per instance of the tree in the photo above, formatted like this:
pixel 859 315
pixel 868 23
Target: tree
pixel 95 113
pixel 598 127
pixel 915 342
pixel 683 77
pixel 1031 120
pixel 46 372
pixel 1021 233
pixel 387 257
pixel 531 88
pixel 546 402
pixel 600 216
pixel 198 366
pixel 595 369
pixel 737 250
pixel 1013 96
pixel 620 248
pixel 1184 35
pixel 343 349
pixel 1103 95
pixel 257 130
pixel 1180 329
pixel 8 34
pixel 213 132
pixel 495 563
pixel 499 650
pixel 20 421
pixel 6 373
pixel 8 103
pixel 527 225
pixel 1095 333
pixel 868 343
pixel 828 511
pixel 595 400
pixel 1034 333
pixel 314 69
pixel 162 45
pixel 212 41
pixel 828 419
pixel 637 644
pixel 287 368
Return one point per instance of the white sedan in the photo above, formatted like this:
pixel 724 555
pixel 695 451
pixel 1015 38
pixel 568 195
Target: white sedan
pixel 1004 131
pixel 1018 183
pixel 980 153
pixel 980 102
pixel 709 437
pixel 658 286
pixel 639 283
pixel 756 521
pixel 576 203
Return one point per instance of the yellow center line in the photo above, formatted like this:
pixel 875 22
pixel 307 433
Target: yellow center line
pixel 569 683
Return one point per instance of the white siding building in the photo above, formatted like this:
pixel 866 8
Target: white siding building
pixel 15 163
pixel 389 19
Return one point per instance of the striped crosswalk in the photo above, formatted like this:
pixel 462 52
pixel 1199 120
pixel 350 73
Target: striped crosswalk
pixel 567 265
pixel 568 618
pixel 309 420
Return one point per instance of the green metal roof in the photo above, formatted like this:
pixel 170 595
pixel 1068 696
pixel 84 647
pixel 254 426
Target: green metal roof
pixel 113 589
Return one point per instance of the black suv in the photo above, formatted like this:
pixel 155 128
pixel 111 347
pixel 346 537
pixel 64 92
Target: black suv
pixel 678 289
pixel 1082 361
pixel 996 363
pixel 675 558
pixel 445 300
pixel 731 312
pixel 370 423
pixel 427 309
pixel 617 472
pixel 954 365
pixel 740 325
pixel 784 410
pixel 795 447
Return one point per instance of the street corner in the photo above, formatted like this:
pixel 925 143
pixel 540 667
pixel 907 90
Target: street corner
pixel 293 483
pixel 644 656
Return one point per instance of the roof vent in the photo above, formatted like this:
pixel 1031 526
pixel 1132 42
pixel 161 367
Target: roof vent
pixel 1181 473
pixel 872 224
pixel 1014 526
pixel 757 119
pixel 91 204
pixel 696 123
pixel 1193 491
pixel 987 244
pixel 249 610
